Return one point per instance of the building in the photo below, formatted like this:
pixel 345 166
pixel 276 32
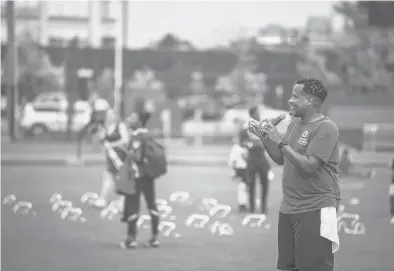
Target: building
pixel 56 22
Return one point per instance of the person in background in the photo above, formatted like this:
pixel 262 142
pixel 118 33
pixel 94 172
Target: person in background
pixel 258 165
pixel 98 110
pixel 238 162
pixel 98 106
pixel 113 131
pixel 143 185
pixel 391 191
pixel 347 168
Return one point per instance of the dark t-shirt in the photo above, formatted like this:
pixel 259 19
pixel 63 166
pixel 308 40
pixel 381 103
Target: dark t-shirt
pixel 138 139
pixel 256 157
pixel 302 191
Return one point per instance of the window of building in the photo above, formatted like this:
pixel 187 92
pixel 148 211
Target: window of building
pixel 84 43
pixel 56 42
pixel 105 9
pixel 68 8
pixel 108 42
pixel 27 4
pixel 23 8
pixel 108 9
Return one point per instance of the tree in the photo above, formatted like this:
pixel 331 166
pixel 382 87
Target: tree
pixel 248 83
pixel 380 13
pixel 105 84
pixel 196 83
pixel 169 41
pixel 366 62
pixel 355 18
pixel 174 79
pixel 142 89
pixel 172 42
pixel 36 73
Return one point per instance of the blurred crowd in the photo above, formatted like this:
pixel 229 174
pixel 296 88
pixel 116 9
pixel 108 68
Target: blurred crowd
pixel 370 68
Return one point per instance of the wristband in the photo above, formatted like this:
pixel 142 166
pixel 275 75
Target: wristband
pixel 282 144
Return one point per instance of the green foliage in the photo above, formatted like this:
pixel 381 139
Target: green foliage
pixel 367 61
pixel 104 84
pixel 36 73
pixel 380 13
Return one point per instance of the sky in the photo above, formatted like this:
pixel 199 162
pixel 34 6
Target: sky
pixel 209 23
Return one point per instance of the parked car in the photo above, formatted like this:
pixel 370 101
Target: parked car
pixel 37 120
pixel 48 113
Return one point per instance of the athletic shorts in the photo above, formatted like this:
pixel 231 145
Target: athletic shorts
pixel 300 246
pixel 242 174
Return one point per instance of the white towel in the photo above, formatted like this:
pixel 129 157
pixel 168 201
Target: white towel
pixel 391 189
pixel 242 193
pixel 329 226
pixel 237 157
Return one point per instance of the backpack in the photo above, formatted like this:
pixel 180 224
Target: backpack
pixel 125 180
pixel 155 159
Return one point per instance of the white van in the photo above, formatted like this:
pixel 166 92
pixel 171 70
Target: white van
pixel 48 113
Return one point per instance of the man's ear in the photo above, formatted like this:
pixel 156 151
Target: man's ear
pixel 309 101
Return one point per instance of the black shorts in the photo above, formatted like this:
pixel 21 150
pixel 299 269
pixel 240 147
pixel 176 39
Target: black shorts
pixel 300 245
pixel 242 174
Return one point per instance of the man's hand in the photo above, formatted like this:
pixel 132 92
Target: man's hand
pixel 255 127
pixel 271 147
pixel 254 130
pixel 272 133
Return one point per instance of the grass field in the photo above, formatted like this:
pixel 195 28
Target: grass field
pixel 46 242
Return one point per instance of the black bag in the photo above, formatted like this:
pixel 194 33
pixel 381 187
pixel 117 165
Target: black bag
pixel 125 180
pixel 155 160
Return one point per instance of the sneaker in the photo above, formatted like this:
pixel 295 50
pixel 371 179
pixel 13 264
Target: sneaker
pixel 242 208
pixel 153 242
pixel 116 205
pixel 129 243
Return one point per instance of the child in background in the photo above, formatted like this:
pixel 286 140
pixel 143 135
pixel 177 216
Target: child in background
pixel 238 162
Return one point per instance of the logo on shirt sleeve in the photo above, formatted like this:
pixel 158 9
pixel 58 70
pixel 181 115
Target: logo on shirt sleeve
pixel 303 139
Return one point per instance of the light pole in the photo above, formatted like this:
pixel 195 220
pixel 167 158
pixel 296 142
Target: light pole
pixel 11 70
pixel 118 72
